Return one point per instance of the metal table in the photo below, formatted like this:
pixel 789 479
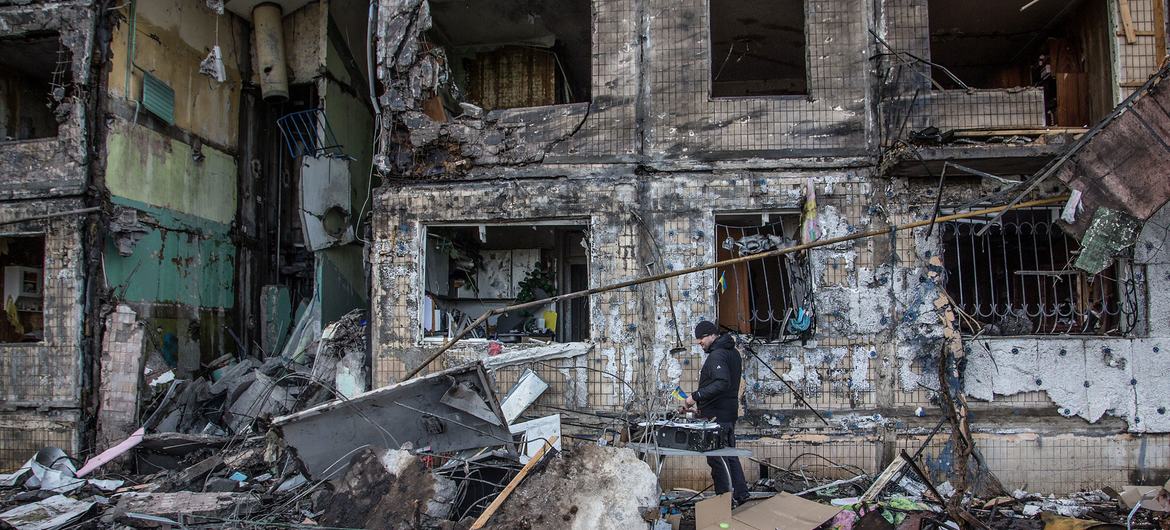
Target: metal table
pixel 660 452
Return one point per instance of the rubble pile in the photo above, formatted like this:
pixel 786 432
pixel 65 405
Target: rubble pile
pixel 296 440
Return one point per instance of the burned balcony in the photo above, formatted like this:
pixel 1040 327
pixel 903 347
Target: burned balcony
pixel 474 269
pixel 34 72
pixel 1058 51
pixel 514 54
pixel 1017 278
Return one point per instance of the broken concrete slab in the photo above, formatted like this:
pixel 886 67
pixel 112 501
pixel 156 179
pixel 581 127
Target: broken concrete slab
pixel 51 513
pixel 390 489
pixel 261 397
pixel 539 353
pixel 590 487
pixel 188 503
pixel 408 412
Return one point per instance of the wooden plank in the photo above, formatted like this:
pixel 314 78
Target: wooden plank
pixel 503 496
pixel 1127 22
pixel 980 133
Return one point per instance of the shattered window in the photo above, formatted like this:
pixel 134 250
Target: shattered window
pixel 513 53
pixel 758 51
pixel 761 297
pixel 22 261
pixel 1018 279
pixel 1060 47
pixel 34 70
pixel 473 269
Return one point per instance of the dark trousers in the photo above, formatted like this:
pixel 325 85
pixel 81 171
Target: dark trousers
pixel 726 471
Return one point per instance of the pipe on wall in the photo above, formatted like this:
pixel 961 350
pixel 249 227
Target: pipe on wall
pixel 269 38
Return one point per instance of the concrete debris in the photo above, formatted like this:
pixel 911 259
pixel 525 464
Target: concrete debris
pixel 591 487
pixel 54 512
pixel 188 503
pixel 390 489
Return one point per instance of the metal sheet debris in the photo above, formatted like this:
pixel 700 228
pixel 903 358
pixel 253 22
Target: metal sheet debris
pixel 325 436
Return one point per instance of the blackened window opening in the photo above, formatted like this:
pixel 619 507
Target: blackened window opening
pixel 1060 47
pixel 758 50
pixel 34 80
pixel 470 270
pixel 760 297
pixel 512 53
pixel 1018 279
pixel 22 261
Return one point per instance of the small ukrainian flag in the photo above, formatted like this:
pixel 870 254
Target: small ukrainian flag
pixel 722 282
pixel 679 394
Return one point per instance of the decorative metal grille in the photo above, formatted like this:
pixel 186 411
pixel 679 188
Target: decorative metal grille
pixel 761 297
pixel 1018 279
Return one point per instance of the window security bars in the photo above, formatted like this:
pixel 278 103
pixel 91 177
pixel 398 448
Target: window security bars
pixel 1018 279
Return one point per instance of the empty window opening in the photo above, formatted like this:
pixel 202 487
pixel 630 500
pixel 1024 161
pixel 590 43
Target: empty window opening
pixel 1018 279
pixel 1061 47
pixel 758 52
pixel 514 53
pixel 34 71
pixel 22 260
pixel 761 297
pixel 473 269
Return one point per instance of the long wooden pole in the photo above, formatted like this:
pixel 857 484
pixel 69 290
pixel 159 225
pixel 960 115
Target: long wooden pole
pixel 734 261
pixel 503 496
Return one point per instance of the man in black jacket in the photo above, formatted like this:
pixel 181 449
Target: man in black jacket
pixel 718 398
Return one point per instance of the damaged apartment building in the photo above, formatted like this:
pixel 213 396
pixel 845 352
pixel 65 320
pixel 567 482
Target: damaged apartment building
pixel 535 149
pixel 189 183
pixel 158 212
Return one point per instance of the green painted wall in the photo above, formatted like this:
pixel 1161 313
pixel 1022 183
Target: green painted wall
pixel 150 168
pixel 182 259
pixel 341 280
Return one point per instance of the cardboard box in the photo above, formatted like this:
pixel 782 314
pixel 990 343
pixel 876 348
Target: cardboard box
pixel 1153 498
pixel 782 512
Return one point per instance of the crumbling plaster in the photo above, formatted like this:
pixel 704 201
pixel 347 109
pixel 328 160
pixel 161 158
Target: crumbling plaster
pixel 51 167
pixel 872 363
pixel 1091 377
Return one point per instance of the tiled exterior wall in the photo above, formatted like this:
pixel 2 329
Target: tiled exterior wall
pixel 872 364
pixel 45 376
pixel 40 383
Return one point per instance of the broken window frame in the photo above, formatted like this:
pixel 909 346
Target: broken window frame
pixel 58 85
pixel 769 325
pixel 1068 77
pixel 1036 299
pixel 438 42
pixel 39 296
pixel 568 325
pixel 713 61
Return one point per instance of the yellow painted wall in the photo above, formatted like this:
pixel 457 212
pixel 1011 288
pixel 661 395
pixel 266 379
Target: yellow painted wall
pixel 148 167
pixel 172 38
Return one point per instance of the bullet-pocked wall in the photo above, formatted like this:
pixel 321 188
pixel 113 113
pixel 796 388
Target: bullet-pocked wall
pixel 44 75
pixel 699 164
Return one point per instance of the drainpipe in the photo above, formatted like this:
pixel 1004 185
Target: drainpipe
pixel 269 38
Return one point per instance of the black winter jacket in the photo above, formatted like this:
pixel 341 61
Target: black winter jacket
pixel 718 392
